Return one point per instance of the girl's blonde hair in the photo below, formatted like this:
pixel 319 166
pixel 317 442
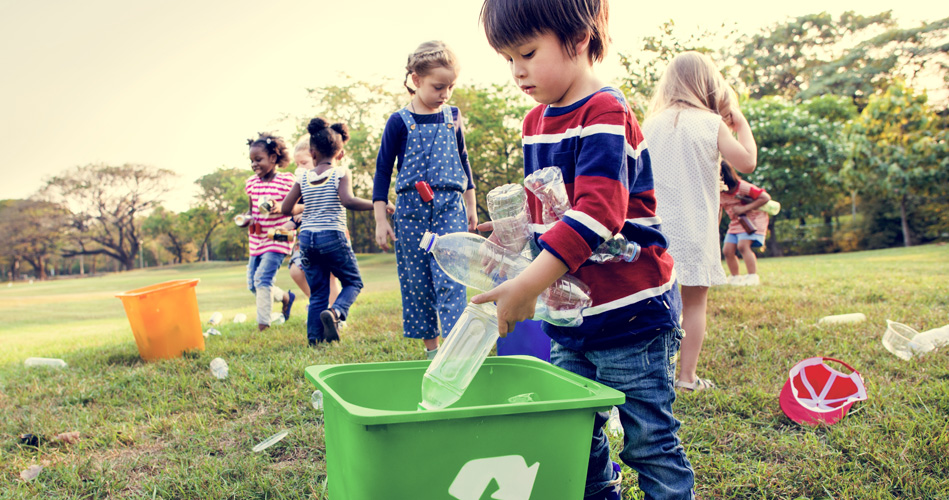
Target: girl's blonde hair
pixel 428 56
pixel 303 145
pixel 693 80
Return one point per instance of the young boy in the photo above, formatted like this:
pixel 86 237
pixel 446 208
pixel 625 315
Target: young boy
pixel 630 335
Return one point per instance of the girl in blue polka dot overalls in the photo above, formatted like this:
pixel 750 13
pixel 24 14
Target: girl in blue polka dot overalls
pixel 434 192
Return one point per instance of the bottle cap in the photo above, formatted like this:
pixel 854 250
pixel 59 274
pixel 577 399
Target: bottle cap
pixel 428 241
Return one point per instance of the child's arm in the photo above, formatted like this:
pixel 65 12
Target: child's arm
pixel 516 298
pixel 741 153
pixel 353 202
pixel 384 231
pixel 763 198
pixel 471 209
pixel 290 202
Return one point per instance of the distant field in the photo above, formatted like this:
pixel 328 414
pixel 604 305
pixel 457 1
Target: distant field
pixel 170 430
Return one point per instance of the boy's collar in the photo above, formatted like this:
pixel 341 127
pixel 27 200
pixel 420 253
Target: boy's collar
pixel 562 110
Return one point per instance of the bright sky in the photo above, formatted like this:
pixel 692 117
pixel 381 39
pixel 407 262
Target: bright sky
pixel 181 84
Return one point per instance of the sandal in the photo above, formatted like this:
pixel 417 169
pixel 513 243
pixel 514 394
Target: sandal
pixel 700 384
pixel 288 305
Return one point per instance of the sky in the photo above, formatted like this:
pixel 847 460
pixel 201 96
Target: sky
pixel 182 85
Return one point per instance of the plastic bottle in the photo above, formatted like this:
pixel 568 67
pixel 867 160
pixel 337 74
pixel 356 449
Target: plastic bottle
pixel 219 368
pixel 842 318
pixel 242 220
pixel 216 318
pixel 474 261
pixel 276 318
pixel 316 399
pixel 286 235
pixel 548 186
pixel 240 318
pixel 265 205
pixel 613 426
pixel 507 206
pixel 53 362
pixel 460 356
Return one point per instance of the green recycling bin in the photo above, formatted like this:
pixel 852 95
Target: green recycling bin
pixel 521 431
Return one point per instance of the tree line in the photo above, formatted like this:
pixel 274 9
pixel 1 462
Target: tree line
pixel 848 140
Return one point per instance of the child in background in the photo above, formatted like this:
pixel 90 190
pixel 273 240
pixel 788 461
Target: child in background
pixel 630 334
pixel 327 192
pixel 265 190
pixel 301 155
pixel 737 236
pixel 690 122
pixel 434 192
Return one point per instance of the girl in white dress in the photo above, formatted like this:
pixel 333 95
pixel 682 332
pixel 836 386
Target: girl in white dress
pixel 690 123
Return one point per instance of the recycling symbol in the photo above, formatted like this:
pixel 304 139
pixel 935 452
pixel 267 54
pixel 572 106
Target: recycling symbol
pixel 514 480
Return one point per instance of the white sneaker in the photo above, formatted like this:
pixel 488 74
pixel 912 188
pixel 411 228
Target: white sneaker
pixel 733 280
pixel 751 280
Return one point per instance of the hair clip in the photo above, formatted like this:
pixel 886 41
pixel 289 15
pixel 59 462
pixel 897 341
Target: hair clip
pixel 268 140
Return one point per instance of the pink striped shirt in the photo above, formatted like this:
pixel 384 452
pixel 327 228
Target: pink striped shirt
pixel 277 188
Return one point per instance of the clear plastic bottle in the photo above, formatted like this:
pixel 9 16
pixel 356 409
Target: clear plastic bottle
pixel 53 362
pixel 216 318
pixel 548 186
pixel 474 261
pixel 316 399
pixel 219 368
pixel 613 426
pixel 460 356
pixel 507 206
pixel 617 249
pixel 240 318
pixel 276 318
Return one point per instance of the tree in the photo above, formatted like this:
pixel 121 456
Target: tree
pixel 783 59
pixel 32 231
pixel 106 205
pixel 171 230
pixel 801 147
pixel 899 151
pixel 221 197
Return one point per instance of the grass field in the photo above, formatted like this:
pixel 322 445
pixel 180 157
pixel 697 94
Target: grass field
pixel 170 430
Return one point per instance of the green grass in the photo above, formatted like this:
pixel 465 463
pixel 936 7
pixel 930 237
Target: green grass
pixel 170 430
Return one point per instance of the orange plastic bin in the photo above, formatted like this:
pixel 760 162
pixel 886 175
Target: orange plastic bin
pixel 164 319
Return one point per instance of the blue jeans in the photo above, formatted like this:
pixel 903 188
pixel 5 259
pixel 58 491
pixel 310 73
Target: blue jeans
pixel 645 372
pixel 325 252
pixel 261 271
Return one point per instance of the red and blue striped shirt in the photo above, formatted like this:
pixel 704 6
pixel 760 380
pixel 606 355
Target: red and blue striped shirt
pixel 600 150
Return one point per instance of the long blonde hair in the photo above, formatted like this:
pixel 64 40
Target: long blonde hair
pixel 692 80
pixel 428 56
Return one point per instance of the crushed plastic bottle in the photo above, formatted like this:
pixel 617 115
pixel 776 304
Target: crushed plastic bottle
pixel 842 318
pixel 211 331
pixel 276 318
pixel 507 206
pixel 906 343
pixel 219 368
pixel 272 440
pixel 548 186
pixel 240 318
pixel 474 261
pixel 460 356
pixel 527 397
pixel 216 318
pixel 316 399
pixel 613 426
pixel 52 362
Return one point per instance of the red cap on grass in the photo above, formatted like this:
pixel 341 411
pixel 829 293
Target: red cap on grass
pixel 816 393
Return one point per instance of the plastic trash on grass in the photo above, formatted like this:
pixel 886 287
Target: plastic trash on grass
pixel 53 362
pixel 272 440
pixel 906 343
pixel 240 318
pixel 219 368
pixel 842 318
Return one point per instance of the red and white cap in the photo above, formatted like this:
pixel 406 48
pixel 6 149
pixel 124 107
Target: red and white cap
pixel 816 393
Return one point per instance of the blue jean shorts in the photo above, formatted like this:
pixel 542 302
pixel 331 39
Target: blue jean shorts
pixel 295 260
pixel 757 240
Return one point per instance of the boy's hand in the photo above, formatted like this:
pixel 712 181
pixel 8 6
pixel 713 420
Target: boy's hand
pixel 513 304
pixel 383 234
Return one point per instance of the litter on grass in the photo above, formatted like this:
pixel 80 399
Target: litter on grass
pixel 67 437
pixel 31 472
pixel 211 331
pixel 240 318
pixel 272 440
pixel 842 318
pixel 906 343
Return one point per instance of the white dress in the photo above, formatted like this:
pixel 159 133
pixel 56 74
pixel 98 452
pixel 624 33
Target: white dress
pixel 683 148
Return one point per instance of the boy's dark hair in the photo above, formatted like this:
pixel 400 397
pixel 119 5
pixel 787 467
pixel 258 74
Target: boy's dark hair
pixel 327 139
pixel 509 23
pixel 274 145
pixel 730 176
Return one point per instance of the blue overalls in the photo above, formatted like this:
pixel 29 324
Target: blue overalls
pixel 431 155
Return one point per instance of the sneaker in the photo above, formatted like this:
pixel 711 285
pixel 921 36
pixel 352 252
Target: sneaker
pixel 752 280
pixel 330 325
pixel 733 280
pixel 430 355
pixel 288 305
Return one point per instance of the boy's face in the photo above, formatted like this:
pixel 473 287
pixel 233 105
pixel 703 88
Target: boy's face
pixel 303 159
pixel 544 70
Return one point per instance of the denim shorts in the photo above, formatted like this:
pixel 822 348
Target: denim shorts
pixel 757 240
